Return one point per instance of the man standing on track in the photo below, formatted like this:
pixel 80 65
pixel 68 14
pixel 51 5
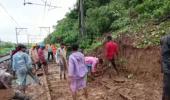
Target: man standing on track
pixel 165 46
pixel 34 55
pixel 111 52
pixel 61 60
pixel 77 72
pixel 54 49
pixel 41 56
pixel 50 52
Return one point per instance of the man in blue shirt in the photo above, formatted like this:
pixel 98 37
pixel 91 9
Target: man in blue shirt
pixel 22 65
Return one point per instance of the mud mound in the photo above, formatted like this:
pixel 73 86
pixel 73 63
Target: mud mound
pixel 142 66
pixel 143 62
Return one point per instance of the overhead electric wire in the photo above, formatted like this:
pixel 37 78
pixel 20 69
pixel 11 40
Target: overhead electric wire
pixel 43 1
pixel 12 18
pixel 41 4
pixel 44 12
pixel 49 5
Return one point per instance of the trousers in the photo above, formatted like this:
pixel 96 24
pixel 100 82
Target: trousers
pixel 166 87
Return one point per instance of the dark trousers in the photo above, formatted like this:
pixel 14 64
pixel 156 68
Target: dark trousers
pixel 50 54
pixel 112 61
pixel 166 87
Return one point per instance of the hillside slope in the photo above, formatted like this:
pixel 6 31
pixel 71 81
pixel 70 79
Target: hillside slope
pixel 145 20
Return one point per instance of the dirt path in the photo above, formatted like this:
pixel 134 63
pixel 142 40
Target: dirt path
pixel 103 88
pixel 59 89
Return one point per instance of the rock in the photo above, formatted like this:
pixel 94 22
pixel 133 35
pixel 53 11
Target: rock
pixel 21 96
pixel 124 93
pixel 138 90
pixel 119 80
pixel 126 97
pixel 114 88
pixel 130 76
pixel 108 86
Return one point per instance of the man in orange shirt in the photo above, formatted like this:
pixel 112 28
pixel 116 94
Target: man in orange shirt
pixel 54 49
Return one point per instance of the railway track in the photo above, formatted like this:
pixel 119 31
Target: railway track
pixel 58 89
pixel 5 58
pixel 53 88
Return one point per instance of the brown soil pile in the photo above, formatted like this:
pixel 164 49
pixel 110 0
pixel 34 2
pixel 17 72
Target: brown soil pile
pixel 142 62
pixel 141 67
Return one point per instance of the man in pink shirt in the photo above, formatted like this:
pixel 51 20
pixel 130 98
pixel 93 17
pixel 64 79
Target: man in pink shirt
pixel 41 56
pixel 91 63
pixel 111 52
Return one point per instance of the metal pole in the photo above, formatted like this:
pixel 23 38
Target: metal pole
pixel 49 30
pixel 82 18
pixel 28 39
pixel 46 29
pixel 17 32
pixel 16 35
pixel 79 35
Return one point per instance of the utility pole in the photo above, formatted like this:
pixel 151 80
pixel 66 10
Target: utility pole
pixel 81 17
pixel 28 36
pixel 0 42
pixel 35 38
pixel 46 28
pixel 18 30
pixel 16 35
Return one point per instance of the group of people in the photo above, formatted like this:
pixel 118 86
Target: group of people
pixel 26 63
pixel 80 66
pixel 76 67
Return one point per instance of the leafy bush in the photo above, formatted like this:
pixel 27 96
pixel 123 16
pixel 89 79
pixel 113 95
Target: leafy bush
pixel 116 16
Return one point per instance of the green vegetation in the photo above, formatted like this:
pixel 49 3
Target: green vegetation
pixel 144 20
pixel 5 47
